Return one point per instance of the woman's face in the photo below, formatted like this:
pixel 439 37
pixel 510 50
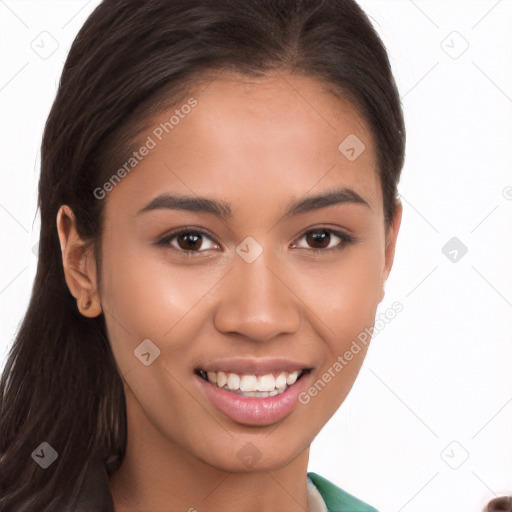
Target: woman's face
pixel 219 257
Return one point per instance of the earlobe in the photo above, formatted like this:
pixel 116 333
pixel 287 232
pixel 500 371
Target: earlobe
pixel 78 263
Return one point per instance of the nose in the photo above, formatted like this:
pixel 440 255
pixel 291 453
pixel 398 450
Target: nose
pixel 256 300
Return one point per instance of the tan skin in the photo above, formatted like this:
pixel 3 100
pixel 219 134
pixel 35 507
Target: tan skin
pixel 259 145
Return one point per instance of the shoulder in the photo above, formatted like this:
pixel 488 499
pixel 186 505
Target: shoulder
pixel 336 499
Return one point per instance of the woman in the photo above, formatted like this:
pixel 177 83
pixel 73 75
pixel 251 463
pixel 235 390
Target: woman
pixel 219 215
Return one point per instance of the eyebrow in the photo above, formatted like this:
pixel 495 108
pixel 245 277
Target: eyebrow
pixel 222 209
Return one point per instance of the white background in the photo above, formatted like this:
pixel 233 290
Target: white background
pixel 428 424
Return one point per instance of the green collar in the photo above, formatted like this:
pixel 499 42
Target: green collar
pixel 336 499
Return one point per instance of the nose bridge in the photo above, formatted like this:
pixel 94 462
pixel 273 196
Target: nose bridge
pixel 256 301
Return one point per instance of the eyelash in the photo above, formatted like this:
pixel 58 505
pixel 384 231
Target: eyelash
pixel 166 240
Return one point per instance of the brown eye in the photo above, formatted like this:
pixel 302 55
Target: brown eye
pixel 319 239
pixel 325 239
pixel 188 241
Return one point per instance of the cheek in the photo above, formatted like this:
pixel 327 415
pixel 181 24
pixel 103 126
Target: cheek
pixel 145 298
pixel 345 294
pixel 345 298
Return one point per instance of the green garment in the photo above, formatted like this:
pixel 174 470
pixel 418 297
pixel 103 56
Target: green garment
pixel 336 499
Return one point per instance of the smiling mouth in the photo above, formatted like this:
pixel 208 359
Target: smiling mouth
pixel 252 385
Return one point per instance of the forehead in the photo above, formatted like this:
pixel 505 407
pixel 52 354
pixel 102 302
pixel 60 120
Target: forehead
pixel 279 112
pixel 247 138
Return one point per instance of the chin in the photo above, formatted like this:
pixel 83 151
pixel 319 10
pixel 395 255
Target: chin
pixel 252 456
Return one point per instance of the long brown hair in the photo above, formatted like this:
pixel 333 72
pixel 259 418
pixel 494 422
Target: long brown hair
pixel 130 59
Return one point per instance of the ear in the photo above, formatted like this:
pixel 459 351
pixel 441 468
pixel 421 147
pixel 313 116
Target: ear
pixel 79 264
pixel 391 237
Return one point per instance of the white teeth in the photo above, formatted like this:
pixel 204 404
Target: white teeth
pixel 248 383
pixel 233 381
pixel 281 381
pixel 251 385
pixel 292 377
pixel 221 379
pixel 266 383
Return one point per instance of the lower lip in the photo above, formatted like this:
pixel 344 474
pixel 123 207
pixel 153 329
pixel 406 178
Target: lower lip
pixel 248 410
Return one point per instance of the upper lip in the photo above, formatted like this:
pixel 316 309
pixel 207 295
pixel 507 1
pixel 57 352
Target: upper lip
pixel 253 366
